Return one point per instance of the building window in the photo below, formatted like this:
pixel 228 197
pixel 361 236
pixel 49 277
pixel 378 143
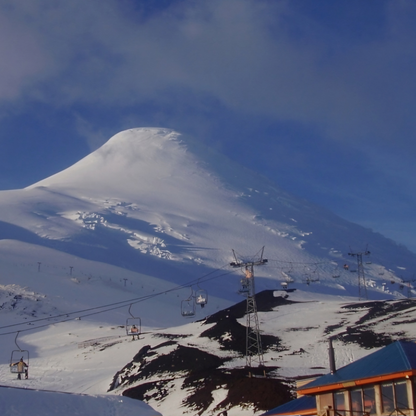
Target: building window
pixel 394 396
pixel 369 400
pixel 356 402
pixel 387 397
pixel 400 390
pixel 363 401
pixel 339 403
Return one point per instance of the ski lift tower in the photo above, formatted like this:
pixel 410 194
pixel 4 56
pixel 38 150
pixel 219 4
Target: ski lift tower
pixel 409 286
pixel 254 350
pixel 362 288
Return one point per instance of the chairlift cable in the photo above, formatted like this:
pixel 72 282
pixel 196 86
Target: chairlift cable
pixel 108 307
pixel 121 304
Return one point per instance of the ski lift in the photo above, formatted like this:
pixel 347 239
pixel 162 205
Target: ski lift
pixel 201 297
pixel 244 286
pixel 19 361
pixel 133 325
pixel 188 306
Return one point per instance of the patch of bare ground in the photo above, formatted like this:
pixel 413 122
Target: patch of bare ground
pixel 231 335
pixel 362 331
pixel 256 392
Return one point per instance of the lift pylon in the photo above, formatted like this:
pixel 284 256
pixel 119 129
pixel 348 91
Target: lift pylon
pixel 362 287
pixel 254 350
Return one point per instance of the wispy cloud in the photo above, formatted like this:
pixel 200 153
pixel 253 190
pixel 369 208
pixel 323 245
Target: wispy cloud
pixel 244 53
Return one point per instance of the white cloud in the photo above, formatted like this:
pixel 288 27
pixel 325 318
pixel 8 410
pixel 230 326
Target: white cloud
pixel 94 137
pixel 244 53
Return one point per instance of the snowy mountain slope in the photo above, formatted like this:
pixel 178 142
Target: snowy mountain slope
pixel 134 228
pixel 150 200
pixel 205 361
pixel 33 403
pixel 198 367
pixel 30 290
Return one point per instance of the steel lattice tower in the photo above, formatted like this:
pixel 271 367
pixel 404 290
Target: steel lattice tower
pixel 362 287
pixel 254 350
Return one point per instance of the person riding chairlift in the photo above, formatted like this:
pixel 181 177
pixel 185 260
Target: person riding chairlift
pixel 248 273
pixel 200 301
pixel 22 367
pixel 134 331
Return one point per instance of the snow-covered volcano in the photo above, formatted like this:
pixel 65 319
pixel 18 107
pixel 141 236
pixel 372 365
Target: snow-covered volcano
pixel 155 202
pixel 139 225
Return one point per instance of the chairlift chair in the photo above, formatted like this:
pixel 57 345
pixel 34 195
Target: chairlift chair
pixel 201 297
pixel 133 325
pixel 188 307
pixel 18 356
pixel 244 286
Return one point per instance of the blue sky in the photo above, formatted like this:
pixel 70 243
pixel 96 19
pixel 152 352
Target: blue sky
pixel 319 96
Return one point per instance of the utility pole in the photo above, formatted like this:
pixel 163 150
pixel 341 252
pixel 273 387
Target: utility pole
pixel 362 288
pixel 254 350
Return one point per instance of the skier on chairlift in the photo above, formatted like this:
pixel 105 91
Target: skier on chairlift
pixel 200 300
pixel 134 331
pixel 248 273
pixel 21 368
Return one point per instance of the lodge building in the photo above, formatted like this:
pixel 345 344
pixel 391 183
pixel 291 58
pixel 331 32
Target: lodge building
pixel 380 384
